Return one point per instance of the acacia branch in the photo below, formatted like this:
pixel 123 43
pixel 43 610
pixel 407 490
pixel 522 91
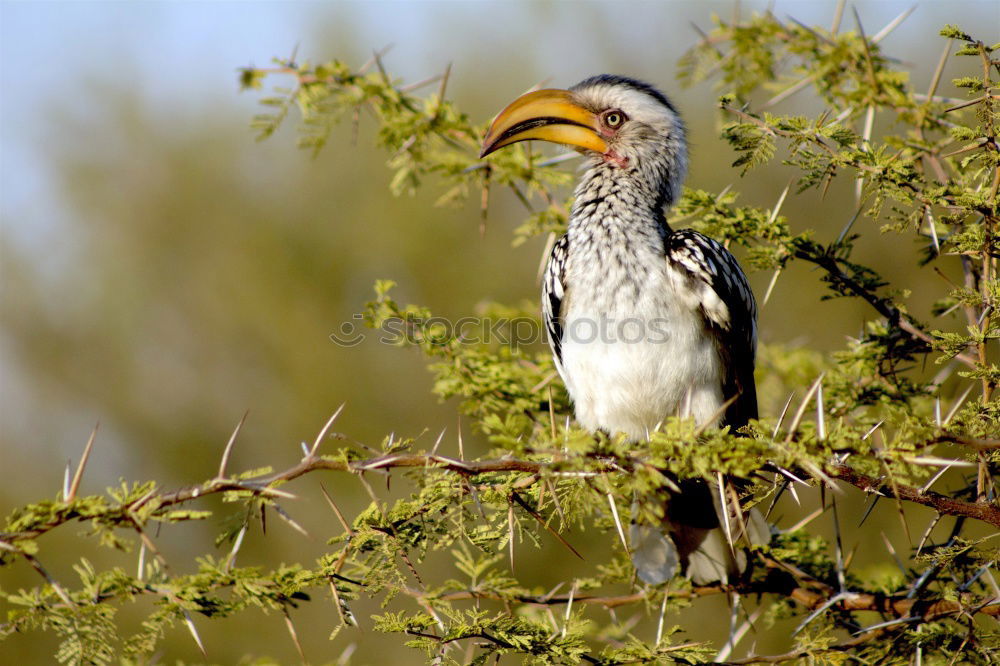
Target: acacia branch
pixel 266 486
pixel 884 306
pixel 809 597
pixel 988 512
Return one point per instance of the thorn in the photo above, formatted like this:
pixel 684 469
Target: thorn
pixel 227 452
pixel 410 87
pixel 837 598
pixel 555 500
pixel 288 519
pixel 777 206
pixel 437 442
pixel 868 511
pixel 934 461
pixel 815 33
pixel 933 230
pixel 734 616
pixel 850 555
pixel 727 530
pixel 685 411
pixel 510 530
pixel 37 566
pixel 569 609
pixel 934 479
pixel 322 433
pixel 338 603
pixel 559 159
pixel 838 14
pixel 770 286
pixel 368 489
pixel 892 25
pixel 805 521
pixel 777 496
pixel 850 224
pixel 371 61
pixel 820 415
pixel 788 92
pixel 927 533
pixel 237 544
pixel 444 86
pixel 781 418
pixel 484 202
pixel 895 556
pixel 711 421
pixel 802 407
pixel 534 514
pixel 939 70
pixel 552 416
pixel 614 514
pixel 955 407
pixel 659 623
pixel 882 625
pixel 475 498
pixel 291 631
pixel 841 573
pixel 345 656
pixel 78 476
pixel 461 448
pixel 873 429
pixel 194 632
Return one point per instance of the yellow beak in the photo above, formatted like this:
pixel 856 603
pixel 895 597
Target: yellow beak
pixel 548 115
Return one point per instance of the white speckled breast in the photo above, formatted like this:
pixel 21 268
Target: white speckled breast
pixel 634 347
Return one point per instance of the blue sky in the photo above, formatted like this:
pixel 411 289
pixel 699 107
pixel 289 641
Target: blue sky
pixel 179 54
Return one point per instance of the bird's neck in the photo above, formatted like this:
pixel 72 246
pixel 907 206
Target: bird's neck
pixel 612 201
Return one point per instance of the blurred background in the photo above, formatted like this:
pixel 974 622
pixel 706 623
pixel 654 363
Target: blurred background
pixel 163 272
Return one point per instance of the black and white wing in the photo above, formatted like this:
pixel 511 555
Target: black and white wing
pixel 730 313
pixel 553 294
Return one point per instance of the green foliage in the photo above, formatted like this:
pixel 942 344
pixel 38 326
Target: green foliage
pixel 869 418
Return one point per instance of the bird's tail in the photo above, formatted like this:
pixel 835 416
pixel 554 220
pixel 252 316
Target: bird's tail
pixel 702 538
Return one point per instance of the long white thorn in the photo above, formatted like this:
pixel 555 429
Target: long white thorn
pixel 194 632
pixel 892 25
pixel 322 433
pixel 618 521
pixel 228 451
pixel 659 624
pixel 770 286
pixel 781 418
pixel 78 476
pixel 724 505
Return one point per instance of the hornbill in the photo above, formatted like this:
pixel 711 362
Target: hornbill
pixel 644 321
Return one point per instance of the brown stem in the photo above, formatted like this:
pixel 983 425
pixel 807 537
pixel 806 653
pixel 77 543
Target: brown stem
pixel 981 510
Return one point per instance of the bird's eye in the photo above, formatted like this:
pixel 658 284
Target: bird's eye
pixel 614 118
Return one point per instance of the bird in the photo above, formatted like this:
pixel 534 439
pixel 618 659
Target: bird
pixel 644 321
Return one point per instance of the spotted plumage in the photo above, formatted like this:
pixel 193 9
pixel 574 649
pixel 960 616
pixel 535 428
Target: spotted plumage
pixel 621 260
pixel 645 322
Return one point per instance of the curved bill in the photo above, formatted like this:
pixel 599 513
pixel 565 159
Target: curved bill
pixel 548 115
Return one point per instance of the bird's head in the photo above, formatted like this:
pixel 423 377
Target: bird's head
pixel 619 123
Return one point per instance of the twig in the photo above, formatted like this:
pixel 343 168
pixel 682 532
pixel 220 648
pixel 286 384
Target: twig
pixel 984 511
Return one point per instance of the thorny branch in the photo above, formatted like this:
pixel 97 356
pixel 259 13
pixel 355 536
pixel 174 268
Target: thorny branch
pixel 266 485
pixel 988 512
